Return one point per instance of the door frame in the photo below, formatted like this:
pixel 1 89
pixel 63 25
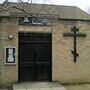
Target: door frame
pixel 19 50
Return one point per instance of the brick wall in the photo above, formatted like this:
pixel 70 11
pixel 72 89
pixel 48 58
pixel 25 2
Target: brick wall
pixel 9 73
pixel 63 67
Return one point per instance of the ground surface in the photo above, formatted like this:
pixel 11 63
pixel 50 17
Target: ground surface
pixel 38 86
pixel 77 87
pixel 73 87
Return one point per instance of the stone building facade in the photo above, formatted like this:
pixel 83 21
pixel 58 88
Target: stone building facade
pixel 64 69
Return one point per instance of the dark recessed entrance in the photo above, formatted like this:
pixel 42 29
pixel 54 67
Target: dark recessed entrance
pixel 35 53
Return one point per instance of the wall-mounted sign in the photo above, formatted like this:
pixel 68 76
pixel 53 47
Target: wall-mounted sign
pixel 10 56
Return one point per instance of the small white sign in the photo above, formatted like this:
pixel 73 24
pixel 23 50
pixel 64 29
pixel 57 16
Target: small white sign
pixel 10 51
pixel 10 55
pixel 10 58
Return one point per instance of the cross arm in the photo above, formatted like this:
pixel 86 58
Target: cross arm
pixel 67 34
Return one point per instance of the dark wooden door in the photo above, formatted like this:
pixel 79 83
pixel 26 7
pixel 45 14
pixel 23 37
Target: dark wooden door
pixel 35 56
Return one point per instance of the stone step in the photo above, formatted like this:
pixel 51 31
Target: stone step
pixel 38 86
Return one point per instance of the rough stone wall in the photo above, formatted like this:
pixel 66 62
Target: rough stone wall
pixel 63 67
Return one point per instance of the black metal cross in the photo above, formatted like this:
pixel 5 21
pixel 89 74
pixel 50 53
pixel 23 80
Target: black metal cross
pixel 74 33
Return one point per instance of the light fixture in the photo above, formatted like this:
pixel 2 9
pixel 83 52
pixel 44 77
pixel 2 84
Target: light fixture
pixel 26 20
pixel 10 36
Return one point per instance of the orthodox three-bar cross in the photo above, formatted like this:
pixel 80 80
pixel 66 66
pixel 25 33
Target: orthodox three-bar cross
pixel 74 33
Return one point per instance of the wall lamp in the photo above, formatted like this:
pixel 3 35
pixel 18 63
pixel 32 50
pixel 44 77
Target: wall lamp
pixel 10 36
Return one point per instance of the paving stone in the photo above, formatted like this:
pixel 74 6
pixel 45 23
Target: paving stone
pixel 38 86
pixel 33 89
pixel 59 88
pixel 20 89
